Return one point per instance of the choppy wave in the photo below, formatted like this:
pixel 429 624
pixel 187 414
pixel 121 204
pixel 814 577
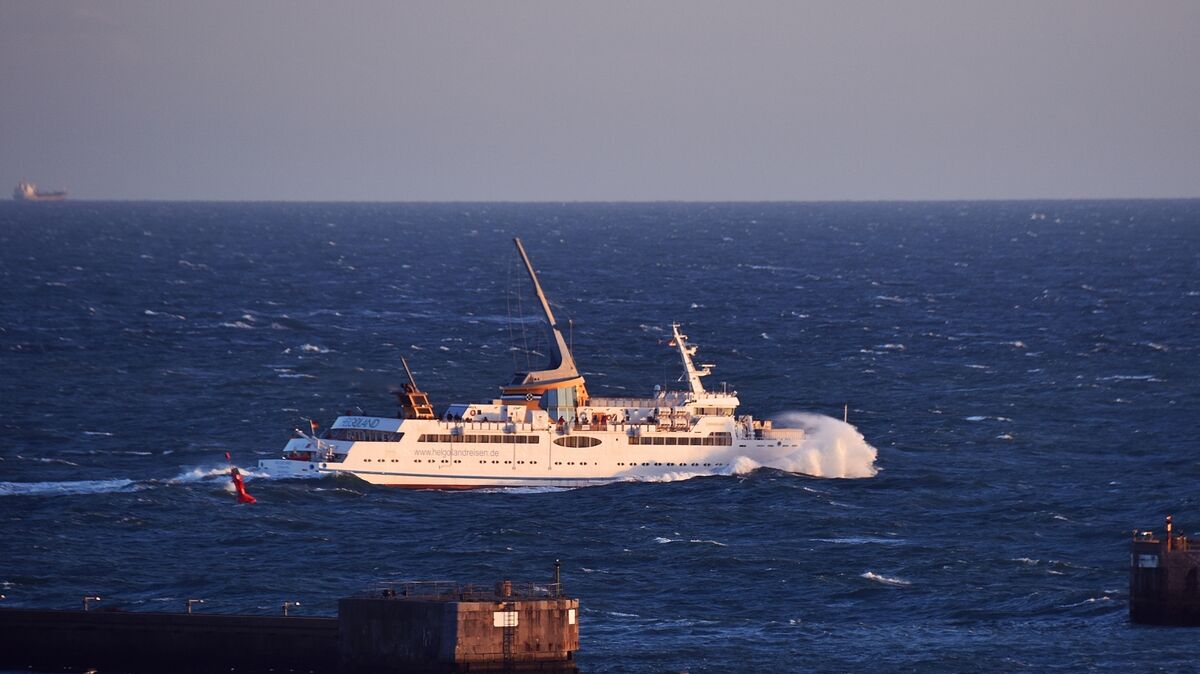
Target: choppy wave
pixel 65 488
pixel 862 540
pixel 705 541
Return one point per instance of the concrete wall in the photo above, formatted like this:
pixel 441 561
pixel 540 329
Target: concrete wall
pixel 164 642
pixel 369 635
pixel 383 634
pixel 1164 586
pixel 543 631
pixel 387 634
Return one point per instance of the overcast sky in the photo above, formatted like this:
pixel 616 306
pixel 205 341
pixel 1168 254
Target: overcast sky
pixel 612 100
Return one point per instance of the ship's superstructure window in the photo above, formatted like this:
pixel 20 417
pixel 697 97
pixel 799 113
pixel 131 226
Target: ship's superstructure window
pixel 711 440
pixel 480 438
pixel 362 435
pixel 577 441
pixel 715 411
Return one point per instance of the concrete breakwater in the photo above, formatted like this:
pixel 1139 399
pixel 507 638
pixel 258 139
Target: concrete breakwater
pixel 423 627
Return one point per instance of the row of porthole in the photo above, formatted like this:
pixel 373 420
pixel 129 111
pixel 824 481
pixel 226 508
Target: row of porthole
pixel 483 461
pixel 671 464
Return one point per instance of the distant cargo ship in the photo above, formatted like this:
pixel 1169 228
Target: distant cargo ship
pixel 27 191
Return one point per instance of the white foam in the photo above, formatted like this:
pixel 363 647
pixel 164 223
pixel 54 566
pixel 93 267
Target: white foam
pixel 862 540
pixel 47 459
pixel 677 476
pixel 198 474
pixel 897 582
pixel 313 348
pixel 521 490
pixel 63 488
pixel 1130 377
pixel 1091 600
pixel 150 312
pixel 831 448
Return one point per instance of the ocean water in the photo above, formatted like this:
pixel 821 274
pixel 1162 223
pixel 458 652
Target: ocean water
pixel 1028 372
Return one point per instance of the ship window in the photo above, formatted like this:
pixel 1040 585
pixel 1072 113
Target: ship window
pixel 660 440
pixel 577 441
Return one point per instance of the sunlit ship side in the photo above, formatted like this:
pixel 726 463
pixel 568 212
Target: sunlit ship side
pixel 543 430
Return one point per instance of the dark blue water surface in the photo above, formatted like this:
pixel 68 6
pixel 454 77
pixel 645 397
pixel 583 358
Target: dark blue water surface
pixel 1032 385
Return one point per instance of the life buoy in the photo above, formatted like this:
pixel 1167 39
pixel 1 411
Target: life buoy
pixel 473 412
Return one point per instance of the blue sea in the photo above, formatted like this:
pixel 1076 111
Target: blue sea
pixel 1028 372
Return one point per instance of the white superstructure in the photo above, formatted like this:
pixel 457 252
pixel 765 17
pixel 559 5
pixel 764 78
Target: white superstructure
pixel 543 430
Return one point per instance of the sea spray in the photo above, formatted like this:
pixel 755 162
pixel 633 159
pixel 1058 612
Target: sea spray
pixel 831 448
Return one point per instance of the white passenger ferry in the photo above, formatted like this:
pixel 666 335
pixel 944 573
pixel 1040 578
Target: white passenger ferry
pixel 545 429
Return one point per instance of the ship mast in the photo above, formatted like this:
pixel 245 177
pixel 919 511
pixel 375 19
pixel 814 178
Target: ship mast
pixel 561 354
pixel 560 373
pixel 686 351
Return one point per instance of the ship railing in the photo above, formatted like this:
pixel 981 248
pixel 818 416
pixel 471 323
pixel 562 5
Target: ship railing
pixel 678 398
pixel 490 425
pixel 442 590
pixel 1178 542
pixel 658 424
